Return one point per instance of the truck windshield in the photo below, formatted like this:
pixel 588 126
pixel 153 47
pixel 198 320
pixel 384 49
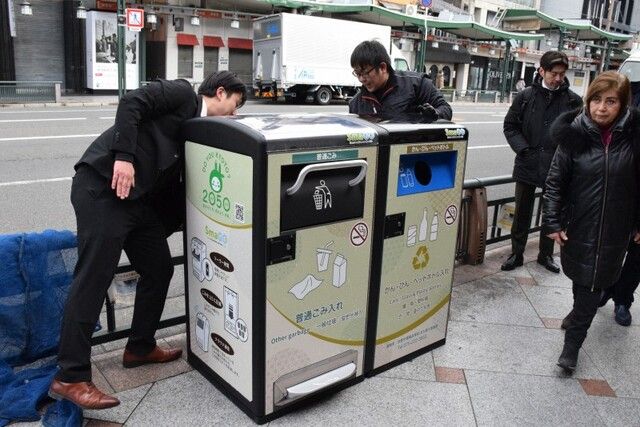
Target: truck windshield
pixel 631 69
pixel 400 64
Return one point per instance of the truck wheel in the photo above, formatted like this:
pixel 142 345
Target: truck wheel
pixel 323 96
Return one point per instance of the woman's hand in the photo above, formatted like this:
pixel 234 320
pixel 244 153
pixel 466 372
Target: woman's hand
pixel 560 237
pixel 636 237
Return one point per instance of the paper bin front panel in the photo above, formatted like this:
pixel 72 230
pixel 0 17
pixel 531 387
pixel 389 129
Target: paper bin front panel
pixel 317 302
pixel 219 234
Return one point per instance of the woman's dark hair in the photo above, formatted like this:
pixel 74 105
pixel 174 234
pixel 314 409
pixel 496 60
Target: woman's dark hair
pixel 225 79
pixel 370 53
pixel 607 81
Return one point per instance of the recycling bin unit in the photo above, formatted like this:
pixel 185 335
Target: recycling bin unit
pixel 421 172
pixel 278 245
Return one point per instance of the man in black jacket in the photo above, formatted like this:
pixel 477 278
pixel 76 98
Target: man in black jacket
pixel 387 94
pixel 127 194
pixel 526 127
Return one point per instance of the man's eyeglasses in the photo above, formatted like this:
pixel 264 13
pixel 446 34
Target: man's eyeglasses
pixel 361 73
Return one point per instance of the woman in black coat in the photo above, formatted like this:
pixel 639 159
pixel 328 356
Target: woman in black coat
pixel 590 206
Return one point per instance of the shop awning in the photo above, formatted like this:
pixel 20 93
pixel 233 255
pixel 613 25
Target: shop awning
pixel 532 19
pixel 380 15
pixel 187 39
pixel 212 41
pixel 237 43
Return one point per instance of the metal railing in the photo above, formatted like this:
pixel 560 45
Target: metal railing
pixel 24 92
pixel 495 235
pixel 487 96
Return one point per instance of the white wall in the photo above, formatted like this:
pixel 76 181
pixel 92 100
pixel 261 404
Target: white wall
pixel 562 9
pixel 208 27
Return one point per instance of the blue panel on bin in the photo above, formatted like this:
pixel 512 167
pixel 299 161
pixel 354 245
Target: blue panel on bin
pixel 425 172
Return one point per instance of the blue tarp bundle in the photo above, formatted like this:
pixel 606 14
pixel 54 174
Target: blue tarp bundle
pixel 35 273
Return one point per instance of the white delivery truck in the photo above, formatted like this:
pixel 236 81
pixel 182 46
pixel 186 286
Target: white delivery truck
pixel 631 67
pixel 301 56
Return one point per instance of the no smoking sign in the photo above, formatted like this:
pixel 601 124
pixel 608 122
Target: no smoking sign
pixel 359 234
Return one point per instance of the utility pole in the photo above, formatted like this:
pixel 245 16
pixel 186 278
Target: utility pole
pixel 609 14
pixel 122 58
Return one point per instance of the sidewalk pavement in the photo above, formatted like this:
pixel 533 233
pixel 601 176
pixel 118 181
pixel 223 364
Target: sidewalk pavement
pixel 496 368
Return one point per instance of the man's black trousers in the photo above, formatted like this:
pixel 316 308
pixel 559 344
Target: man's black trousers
pixel 622 291
pixel 525 199
pixel 106 226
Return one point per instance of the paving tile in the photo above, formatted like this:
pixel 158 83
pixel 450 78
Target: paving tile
pixel 187 400
pixel 597 388
pixel 552 323
pixel 418 369
pixel 555 303
pixel 618 412
pixel 509 400
pixel 544 277
pixel 494 299
pixel 178 341
pixel 508 349
pixel 615 349
pixel 110 364
pixel 450 375
pixel 386 401
pixel 526 281
pixel 100 381
pixel 99 423
pixel 129 400
pixel 464 273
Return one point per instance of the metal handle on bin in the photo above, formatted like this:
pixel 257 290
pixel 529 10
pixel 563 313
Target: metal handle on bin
pixel 328 166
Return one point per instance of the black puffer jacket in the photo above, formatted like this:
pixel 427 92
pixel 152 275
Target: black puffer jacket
pixel 526 127
pixel 405 90
pixel 592 194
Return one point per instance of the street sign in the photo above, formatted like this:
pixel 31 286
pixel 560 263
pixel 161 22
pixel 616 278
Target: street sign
pixel 135 19
pixel 426 3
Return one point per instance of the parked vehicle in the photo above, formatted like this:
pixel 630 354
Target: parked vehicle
pixel 631 67
pixel 302 57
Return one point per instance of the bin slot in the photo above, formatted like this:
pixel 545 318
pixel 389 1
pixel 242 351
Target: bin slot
pixel 426 172
pixel 316 377
pixel 323 195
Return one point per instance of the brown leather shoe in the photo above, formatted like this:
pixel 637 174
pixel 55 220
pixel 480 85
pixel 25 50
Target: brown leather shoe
pixel 84 394
pixel 157 355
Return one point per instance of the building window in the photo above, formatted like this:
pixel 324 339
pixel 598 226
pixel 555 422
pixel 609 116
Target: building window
pixel 185 61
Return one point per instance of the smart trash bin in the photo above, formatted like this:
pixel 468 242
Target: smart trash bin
pixel 421 172
pixel 279 216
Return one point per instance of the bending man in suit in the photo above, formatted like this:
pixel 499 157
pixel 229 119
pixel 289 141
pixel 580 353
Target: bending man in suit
pixel 127 193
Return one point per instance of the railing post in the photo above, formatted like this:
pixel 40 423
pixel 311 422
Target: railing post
pixel 453 96
pixel 495 98
pixel 57 92
pixel 475 97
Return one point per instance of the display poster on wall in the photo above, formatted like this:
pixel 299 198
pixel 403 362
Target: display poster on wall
pixel 102 52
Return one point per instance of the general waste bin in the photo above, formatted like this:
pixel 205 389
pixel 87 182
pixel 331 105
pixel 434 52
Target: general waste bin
pixel 279 216
pixel 421 172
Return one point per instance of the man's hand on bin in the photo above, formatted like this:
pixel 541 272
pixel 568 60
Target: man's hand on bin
pixel 123 178
pixel 428 112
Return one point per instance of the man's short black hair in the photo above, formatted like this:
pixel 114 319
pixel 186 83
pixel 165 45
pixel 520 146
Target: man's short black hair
pixel 370 53
pixel 225 79
pixel 552 58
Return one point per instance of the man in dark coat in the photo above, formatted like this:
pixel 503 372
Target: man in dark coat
pixel 387 94
pixel 127 194
pixel 526 127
